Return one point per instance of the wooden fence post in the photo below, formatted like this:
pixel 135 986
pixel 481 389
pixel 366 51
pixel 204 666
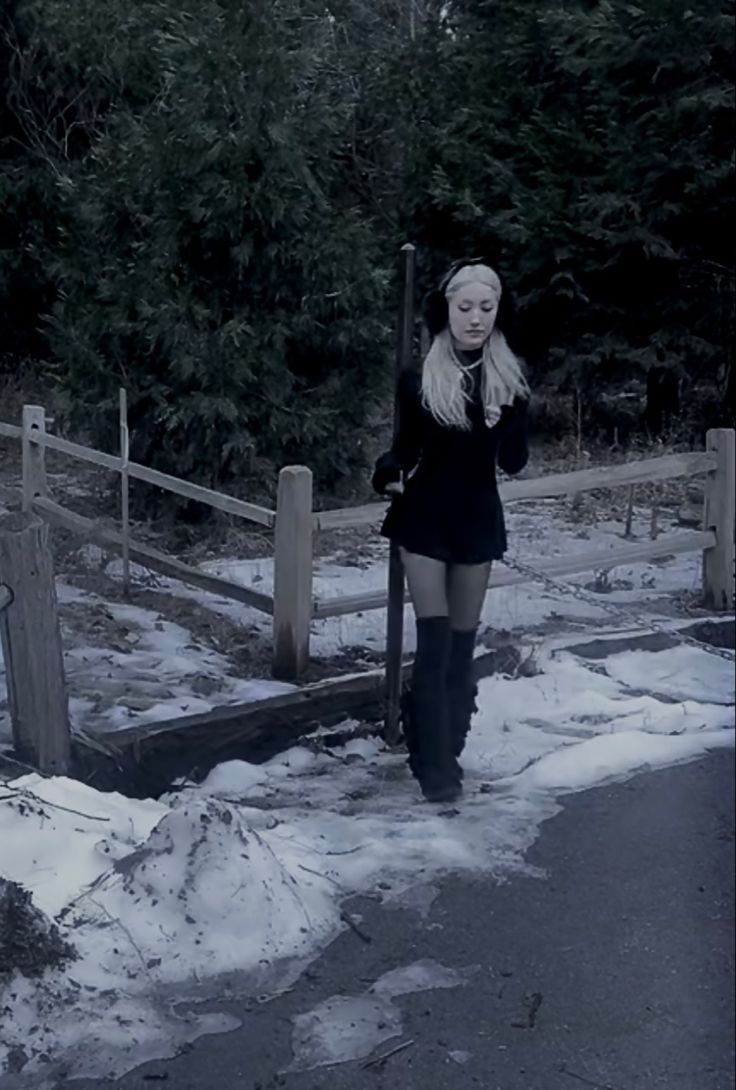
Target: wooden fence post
pixel 31 645
pixel 34 460
pixel 125 489
pixel 292 587
pixel 719 515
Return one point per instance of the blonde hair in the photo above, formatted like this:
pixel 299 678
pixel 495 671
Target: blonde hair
pixel 444 392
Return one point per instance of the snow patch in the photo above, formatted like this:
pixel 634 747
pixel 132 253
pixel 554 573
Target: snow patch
pixel 346 1027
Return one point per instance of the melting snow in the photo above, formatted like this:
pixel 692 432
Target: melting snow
pixel 346 1027
pixel 234 884
pixel 237 882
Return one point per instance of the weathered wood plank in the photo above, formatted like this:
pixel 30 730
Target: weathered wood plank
pixel 585 480
pixel 591 559
pixel 31 645
pixel 343 518
pixel 34 466
pixel 232 506
pixel 250 511
pixel 125 488
pixel 76 450
pixel 292 583
pixel 302 705
pixel 151 558
pixel 10 431
pixel 147 757
pixel 555 484
pixel 720 516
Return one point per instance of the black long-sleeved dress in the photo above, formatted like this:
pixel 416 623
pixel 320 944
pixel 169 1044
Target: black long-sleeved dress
pixel 450 508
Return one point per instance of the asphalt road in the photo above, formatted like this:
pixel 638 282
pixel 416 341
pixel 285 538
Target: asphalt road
pixel 615 972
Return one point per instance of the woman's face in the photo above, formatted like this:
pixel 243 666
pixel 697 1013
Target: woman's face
pixel 472 312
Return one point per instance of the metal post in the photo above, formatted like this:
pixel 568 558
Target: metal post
pixel 395 612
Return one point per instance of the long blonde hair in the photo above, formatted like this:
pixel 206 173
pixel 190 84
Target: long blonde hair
pixel 444 392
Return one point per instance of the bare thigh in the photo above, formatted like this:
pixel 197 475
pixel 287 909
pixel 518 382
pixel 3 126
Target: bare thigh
pixel 427 582
pixel 466 591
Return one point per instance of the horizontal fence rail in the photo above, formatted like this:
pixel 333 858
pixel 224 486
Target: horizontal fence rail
pixel 666 545
pixel 555 484
pixel 293 606
pixel 148 557
pixel 251 511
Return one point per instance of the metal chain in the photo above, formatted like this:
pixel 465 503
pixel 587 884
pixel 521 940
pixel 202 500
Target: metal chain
pixel 622 615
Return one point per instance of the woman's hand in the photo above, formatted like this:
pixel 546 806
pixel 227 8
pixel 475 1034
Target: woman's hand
pixel 394 488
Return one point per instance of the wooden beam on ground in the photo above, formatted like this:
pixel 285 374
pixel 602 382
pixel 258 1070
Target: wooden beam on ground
pixel 150 558
pixel 146 758
pixel 149 756
pixel 31 646
pixel 554 484
pixel 687 541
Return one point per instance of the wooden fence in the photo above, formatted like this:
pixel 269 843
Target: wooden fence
pixel 293 605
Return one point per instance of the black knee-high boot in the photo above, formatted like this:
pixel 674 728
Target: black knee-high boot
pixel 425 714
pixel 462 688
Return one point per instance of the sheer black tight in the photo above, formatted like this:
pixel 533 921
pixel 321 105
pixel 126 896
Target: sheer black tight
pixel 437 589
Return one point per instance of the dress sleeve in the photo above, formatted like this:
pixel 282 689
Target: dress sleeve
pixel 512 452
pixel 404 452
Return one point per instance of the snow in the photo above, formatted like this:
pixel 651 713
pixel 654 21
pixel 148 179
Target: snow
pixel 346 1027
pixel 233 885
pixel 152 669
pixel 245 873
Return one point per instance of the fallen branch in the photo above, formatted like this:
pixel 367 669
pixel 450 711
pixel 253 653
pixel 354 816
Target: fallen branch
pixel 346 918
pixel 126 931
pixel 319 874
pixel 23 792
pixel 21 764
pixel 387 1055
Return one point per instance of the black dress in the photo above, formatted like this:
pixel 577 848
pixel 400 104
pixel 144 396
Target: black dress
pixel 450 508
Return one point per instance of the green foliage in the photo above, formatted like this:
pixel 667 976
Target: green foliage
pixel 204 202
pixel 207 257
pixel 589 146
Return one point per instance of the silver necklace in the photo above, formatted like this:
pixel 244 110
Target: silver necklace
pixel 466 367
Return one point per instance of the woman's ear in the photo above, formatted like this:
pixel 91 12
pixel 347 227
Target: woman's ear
pixel 434 312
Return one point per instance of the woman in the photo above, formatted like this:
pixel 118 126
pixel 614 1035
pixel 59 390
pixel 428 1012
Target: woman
pixel 462 415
